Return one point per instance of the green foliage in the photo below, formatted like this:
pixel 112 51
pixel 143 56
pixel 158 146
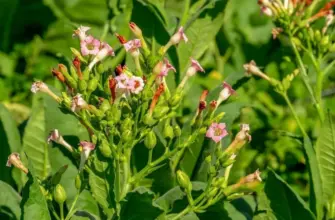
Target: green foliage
pixel 9 201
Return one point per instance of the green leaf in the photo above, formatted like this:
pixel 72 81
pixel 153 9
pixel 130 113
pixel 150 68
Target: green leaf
pixel 33 204
pixel 58 175
pixel 10 200
pixel 139 204
pixel 264 211
pixel 202 31
pixel 284 202
pixel 100 188
pixel 34 139
pixel 315 178
pixel 10 139
pixel 167 200
pixel 86 206
pixel 325 152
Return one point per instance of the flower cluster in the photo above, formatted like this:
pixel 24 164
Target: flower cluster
pixel 125 107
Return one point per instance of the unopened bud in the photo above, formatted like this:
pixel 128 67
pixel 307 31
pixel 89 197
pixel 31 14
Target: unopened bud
pixel 184 181
pixel 160 111
pixel 59 194
pixel 92 85
pixel 135 29
pixel 126 136
pixel 150 140
pixel 104 148
pixel 77 182
pixel 127 124
pixel 174 100
pixel 176 131
pixel 168 131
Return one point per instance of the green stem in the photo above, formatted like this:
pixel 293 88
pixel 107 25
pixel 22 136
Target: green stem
pixel 69 215
pixel 61 207
pixel 177 159
pixel 305 79
pixel 181 214
pixel 294 113
pixel 117 185
pixel 55 214
pixel 150 156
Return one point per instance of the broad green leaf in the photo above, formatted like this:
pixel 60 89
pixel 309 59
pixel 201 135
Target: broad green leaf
pixel 10 141
pixel 58 175
pixel 139 204
pixel 315 178
pixel 34 139
pixel 86 206
pixel 33 204
pixel 100 188
pixel 284 202
pixel 264 211
pixel 9 201
pixel 325 152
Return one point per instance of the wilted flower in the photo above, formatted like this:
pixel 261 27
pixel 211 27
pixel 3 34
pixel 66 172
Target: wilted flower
pixel 14 159
pixel 89 46
pixel 78 103
pixel 276 32
pixel 57 138
pixel 226 92
pixel 81 32
pixel 252 69
pixel 217 131
pixel 253 177
pixel 191 71
pixel 40 86
pixel 86 148
pixel 241 138
pixel 132 45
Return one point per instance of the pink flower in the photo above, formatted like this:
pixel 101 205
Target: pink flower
pixel 166 67
pixel 217 131
pixel 105 50
pixel 122 81
pixel 177 37
pixel 89 46
pixel 132 45
pixel 78 103
pixel 135 84
pixel 81 32
pixel 57 138
pixel 194 68
pixel 86 148
pixel 226 92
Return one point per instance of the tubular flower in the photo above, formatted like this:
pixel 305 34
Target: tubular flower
pixel 191 71
pixel 40 86
pixel 179 36
pixel 105 50
pixel 57 138
pixel 81 32
pixel 89 46
pixel 226 92
pixel 240 140
pixel 85 148
pixel 166 67
pixel 78 103
pixel 14 159
pixel 252 69
pixel 217 131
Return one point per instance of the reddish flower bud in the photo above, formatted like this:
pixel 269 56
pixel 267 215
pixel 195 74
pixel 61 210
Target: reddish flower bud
pixel 154 101
pixel 76 63
pixel 118 70
pixel 135 29
pixel 121 38
pixel 58 75
pixel 112 86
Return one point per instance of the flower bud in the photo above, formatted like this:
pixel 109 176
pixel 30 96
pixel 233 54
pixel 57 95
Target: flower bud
pixel 160 111
pixel 168 131
pixel 92 84
pixel 184 181
pixel 150 140
pixel 208 159
pixel 14 159
pixel 135 29
pixel 77 182
pixel 174 100
pixel 148 120
pixel 59 194
pixel 82 85
pixel 213 192
pixel 104 148
pixel 126 136
pixel 126 124
pixel 176 131
pixel 105 106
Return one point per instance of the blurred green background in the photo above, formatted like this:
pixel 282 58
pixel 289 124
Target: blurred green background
pixel 35 35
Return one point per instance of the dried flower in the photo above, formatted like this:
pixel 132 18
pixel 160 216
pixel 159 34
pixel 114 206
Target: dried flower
pixel 89 46
pixel 191 71
pixel 217 131
pixel 85 148
pixel 57 138
pixel 78 103
pixel 276 32
pixel 252 68
pixel 240 140
pixel 81 32
pixel 40 86
pixel 14 159
pixel 253 177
